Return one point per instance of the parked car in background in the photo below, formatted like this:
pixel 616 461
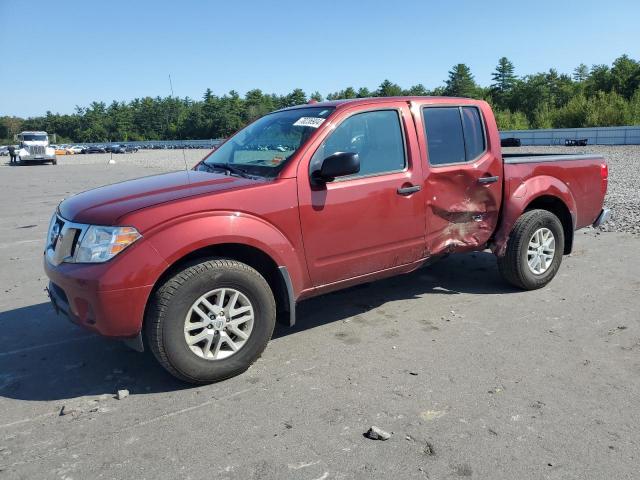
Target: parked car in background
pixel 62 150
pixel 116 149
pixel 76 148
pixel 122 149
pixel 95 149
pixel 202 262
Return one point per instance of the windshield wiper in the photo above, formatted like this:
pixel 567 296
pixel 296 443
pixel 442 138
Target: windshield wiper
pixel 228 168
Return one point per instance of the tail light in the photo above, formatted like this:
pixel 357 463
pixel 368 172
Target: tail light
pixel 604 175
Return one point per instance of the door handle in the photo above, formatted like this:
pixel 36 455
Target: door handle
pixel 408 190
pixel 485 180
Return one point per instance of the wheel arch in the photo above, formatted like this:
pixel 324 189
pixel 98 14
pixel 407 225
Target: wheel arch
pixel 556 206
pixel 255 257
pixel 545 192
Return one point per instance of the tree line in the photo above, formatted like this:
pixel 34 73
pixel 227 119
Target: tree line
pixel 598 96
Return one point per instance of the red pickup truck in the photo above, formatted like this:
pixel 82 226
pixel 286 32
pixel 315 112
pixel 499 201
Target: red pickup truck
pixel 197 265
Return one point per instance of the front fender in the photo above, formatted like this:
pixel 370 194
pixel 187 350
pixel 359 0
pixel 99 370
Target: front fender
pixel 519 199
pixel 182 236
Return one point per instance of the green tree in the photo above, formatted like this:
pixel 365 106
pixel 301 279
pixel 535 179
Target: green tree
pixel 625 76
pixel 543 116
pixel 348 92
pixel 460 82
pixel 573 114
pixel 388 89
pixel 608 110
pixel 417 90
pixel 297 97
pixel 503 76
pixel 581 73
pixel 508 120
pixel 599 80
pixel 504 79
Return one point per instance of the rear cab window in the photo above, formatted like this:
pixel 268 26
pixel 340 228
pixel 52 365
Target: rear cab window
pixel 453 134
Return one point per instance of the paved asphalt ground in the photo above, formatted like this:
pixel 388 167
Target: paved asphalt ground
pixel 473 379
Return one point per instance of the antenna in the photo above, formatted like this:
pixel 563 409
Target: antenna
pixel 186 168
pixel 170 85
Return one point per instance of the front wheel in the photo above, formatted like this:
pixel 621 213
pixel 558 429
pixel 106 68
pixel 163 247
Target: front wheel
pixel 211 320
pixel 534 250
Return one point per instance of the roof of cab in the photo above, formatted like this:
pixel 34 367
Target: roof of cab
pixel 368 100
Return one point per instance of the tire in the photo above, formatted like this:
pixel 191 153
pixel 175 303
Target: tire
pixel 54 161
pixel 514 265
pixel 171 307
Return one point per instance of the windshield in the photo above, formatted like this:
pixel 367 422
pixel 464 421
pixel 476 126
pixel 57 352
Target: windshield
pixel 33 137
pixel 264 147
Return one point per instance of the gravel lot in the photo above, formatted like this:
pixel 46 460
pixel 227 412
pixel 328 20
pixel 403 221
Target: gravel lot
pixel 471 378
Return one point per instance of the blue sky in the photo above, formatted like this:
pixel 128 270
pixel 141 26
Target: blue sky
pixel 58 54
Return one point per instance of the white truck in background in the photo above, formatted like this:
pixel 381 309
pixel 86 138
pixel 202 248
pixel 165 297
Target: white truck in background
pixel 34 147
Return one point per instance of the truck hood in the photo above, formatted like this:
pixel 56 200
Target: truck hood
pixel 105 205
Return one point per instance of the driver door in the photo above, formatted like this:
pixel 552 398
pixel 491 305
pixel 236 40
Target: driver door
pixel 373 220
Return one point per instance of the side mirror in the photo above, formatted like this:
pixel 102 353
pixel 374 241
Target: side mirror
pixel 340 164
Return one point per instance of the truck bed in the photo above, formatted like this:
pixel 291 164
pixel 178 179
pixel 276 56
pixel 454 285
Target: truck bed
pixel 576 174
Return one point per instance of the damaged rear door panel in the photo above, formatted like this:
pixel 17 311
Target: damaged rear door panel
pixel 463 175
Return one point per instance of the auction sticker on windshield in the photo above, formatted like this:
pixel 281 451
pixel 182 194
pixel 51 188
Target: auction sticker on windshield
pixel 313 122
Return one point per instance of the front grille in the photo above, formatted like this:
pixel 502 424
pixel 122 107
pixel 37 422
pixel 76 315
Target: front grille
pixel 63 239
pixel 53 238
pixel 36 150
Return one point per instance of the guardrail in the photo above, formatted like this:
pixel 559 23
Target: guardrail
pixel 595 136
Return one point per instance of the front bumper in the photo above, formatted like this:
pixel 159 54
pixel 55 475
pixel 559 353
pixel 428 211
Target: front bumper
pixel 108 298
pixel 604 216
pixel 37 158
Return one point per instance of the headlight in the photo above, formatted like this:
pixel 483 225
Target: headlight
pixel 50 235
pixel 100 244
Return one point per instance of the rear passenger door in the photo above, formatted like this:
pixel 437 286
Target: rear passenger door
pixel 463 178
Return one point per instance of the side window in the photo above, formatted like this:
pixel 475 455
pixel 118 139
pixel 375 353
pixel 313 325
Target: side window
pixel 375 136
pixel 473 132
pixel 443 129
pixel 454 134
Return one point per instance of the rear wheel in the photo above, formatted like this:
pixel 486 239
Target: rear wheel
pixel 534 250
pixel 211 320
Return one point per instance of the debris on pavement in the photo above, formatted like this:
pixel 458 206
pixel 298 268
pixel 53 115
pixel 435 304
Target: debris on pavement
pixel 375 433
pixel 68 411
pixel 428 449
pixel 122 394
pixel 617 329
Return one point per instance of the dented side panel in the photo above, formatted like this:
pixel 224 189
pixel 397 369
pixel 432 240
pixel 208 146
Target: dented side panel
pixel 461 212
